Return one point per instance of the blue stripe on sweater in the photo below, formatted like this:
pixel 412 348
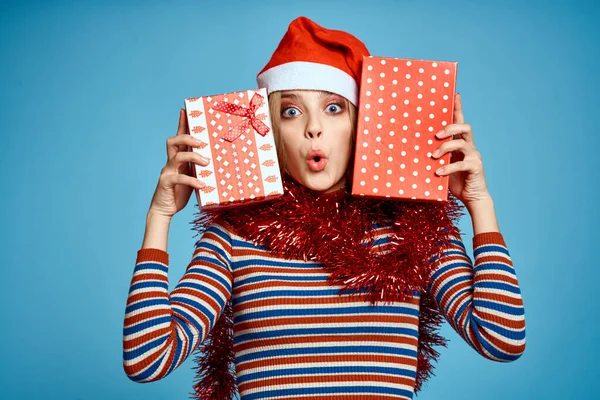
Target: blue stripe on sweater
pixel 246 245
pixel 149 284
pixel 217 231
pixel 147 303
pixel 334 311
pixel 146 324
pixel 150 266
pixel 489 248
pixel 291 293
pixel 497 354
pixel 448 267
pixel 178 346
pixel 454 298
pixel 505 308
pixel 495 266
pixel 268 262
pixel 211 258
pixel 212 248
pixel 188 334
pixel 326 350
pixel 203 289
pixel 481 323
pixel 205 271
pixel 451 283
pixel 324 389
pixel 199 307
pixel 130 355
pixel 325 370
pixel 497 285
pixel 327 331
pixel 266 278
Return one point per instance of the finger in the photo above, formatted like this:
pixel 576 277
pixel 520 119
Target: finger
pixel 459 131
pixel 459 118
pixel 180 143
pixel 174 147
pixel 471 165
pixel 182 128
pixel 185 157
pixel 181 179
pixel 453 145
pixel 190 181
pixel 452 168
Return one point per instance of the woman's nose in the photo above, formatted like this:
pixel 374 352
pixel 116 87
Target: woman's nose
pixel 314 127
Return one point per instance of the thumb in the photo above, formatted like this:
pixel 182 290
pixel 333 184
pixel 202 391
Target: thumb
pixel 459 118
pixel 182 128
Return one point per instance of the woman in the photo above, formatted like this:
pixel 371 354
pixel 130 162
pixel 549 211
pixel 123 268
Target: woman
pixel 297 333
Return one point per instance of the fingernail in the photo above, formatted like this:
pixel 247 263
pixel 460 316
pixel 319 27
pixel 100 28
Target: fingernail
pixel 202 184
pixel 197 140
pixel 439 171
pixel 436 153
pixel 205 159
pixel 439 133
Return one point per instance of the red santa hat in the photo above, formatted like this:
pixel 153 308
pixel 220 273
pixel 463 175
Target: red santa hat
pixel 311 57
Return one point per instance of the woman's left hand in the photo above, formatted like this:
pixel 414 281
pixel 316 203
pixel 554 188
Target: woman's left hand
pixel 467 179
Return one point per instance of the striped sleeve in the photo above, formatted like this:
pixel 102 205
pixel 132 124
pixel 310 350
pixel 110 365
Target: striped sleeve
pixel 482 302
pixel 161 330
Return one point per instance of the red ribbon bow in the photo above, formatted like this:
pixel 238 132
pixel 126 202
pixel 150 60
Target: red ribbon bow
pixel 253 120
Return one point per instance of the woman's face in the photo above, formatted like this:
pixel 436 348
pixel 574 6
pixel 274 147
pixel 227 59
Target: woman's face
pixel 316 132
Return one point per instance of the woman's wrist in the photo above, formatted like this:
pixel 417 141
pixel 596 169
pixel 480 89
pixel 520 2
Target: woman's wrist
pixel 483 215
pixel 157 231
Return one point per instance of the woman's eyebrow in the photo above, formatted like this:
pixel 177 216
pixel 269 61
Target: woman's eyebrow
pixel 329 95
pixel 289 96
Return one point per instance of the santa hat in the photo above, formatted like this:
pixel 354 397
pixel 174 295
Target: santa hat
pixel 311 57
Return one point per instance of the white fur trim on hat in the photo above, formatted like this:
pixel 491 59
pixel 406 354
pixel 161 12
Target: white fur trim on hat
pixel 298 75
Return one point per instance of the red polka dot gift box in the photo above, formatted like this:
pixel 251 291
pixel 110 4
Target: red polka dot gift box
pixel 237 137
pixel 403 103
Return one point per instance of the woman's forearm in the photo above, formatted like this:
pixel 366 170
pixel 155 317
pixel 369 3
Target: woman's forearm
pixel 483 216
pixel 157 231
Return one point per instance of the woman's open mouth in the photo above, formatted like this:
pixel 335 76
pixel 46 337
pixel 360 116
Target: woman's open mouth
pixel 316 160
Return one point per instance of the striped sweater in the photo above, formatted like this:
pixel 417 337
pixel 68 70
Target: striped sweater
pixel 295 337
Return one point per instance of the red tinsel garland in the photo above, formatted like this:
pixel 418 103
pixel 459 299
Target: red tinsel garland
pixel 336 230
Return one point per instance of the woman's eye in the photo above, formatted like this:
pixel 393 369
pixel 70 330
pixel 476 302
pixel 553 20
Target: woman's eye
pixel 290 112
pixel 334 108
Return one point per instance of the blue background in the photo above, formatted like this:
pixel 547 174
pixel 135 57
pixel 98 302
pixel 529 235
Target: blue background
pixel 91 90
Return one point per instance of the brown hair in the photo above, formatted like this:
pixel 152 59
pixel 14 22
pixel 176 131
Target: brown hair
pixel 275 110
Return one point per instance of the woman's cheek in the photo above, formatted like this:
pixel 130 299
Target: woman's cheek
pixel 293 158
pixel 348 148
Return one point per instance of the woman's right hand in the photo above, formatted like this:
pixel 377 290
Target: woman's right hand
pixel 176 181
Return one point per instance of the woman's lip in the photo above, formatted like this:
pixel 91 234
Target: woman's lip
pixel 313 156
pixel 315 153
pixel 317 166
